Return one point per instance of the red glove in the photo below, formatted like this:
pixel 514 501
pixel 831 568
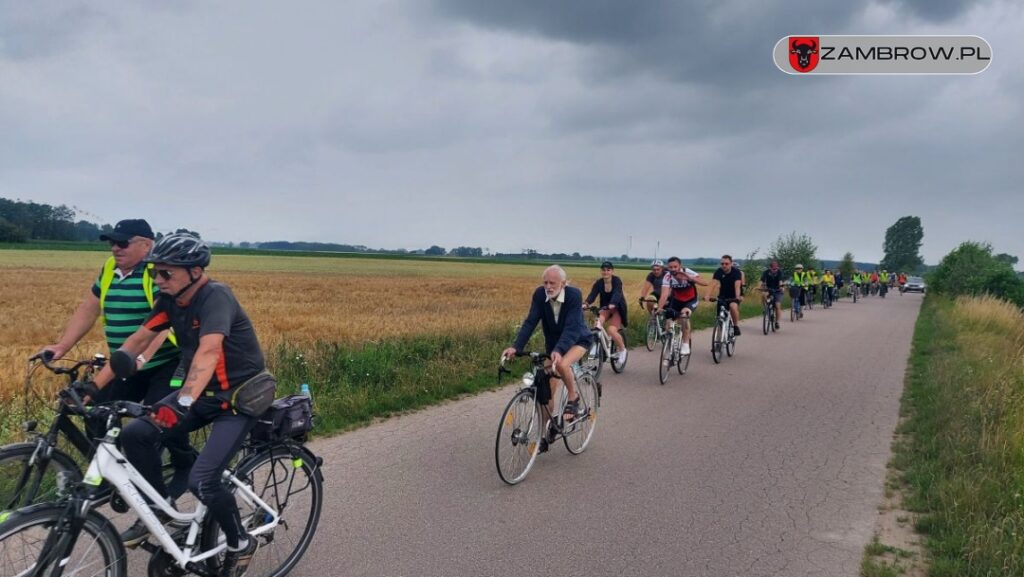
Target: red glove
pixel 167 415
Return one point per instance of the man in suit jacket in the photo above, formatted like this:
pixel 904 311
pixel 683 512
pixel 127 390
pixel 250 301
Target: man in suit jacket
pixel 559 309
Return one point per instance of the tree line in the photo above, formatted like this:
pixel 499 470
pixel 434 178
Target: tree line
pixel 23 221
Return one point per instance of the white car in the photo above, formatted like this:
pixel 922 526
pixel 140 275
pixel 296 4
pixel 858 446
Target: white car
pixel 915 284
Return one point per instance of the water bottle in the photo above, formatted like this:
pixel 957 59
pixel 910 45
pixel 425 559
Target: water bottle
pixel 304 390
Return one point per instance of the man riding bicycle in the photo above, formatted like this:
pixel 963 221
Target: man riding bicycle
pixel 559 310
pixel 220 352
pixel 726 284
pixel 772 281
pixel 679 297
pixel 797 289
pixel 650 292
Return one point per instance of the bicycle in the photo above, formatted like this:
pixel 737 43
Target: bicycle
pixel 527 428
pixel 854 291
pixel 655 320
pixel 672 349
pixel 768 317
pixel 795 294
pixel 603 348
pixel 810 292
pixel 72 537
pixel 826 297
pixel 723 336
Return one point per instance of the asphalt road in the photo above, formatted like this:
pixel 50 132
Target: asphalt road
pixel 771 463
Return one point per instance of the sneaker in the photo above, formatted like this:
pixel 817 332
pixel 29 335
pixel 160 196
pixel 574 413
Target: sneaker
pixel 736 330
pixel 777 327
pixel 236 563
pixel 684 349
pixel 622 357
pixel 138 532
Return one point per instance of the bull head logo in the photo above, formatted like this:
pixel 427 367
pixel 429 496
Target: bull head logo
pixel 803 53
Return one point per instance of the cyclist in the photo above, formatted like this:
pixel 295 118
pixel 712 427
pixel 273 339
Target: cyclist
pixel 902 280
pixel 650 292
pixel 840 283
pixel 559 310
pixel 726 284
pixel 613 313
pixel 856 280
pixel 122 297
pixel 811 288
pixel 772 281
pixel 798 288
pixel 219 352
pixel 828 285
pixel 679 296
pixel 874 281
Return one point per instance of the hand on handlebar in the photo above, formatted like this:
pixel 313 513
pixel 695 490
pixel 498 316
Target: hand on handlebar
pixel 167 413
pixel 86 390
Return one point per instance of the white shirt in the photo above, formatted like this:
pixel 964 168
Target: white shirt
pixel 556 302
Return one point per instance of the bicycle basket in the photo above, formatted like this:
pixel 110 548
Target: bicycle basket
pixel 287 418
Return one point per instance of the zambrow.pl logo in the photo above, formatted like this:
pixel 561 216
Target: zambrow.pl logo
pixel 805 54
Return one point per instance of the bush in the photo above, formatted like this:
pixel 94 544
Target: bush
pixel 972 269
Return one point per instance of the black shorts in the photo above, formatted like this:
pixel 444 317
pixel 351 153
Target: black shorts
pixel 674 307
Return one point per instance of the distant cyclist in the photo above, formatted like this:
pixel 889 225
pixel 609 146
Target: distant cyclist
pixel 772 281
pixel 679 296
pixel 828 285
pixel 797 289
pixel 811 289
pixel 725 284
pixel 650 293
pixel 613 312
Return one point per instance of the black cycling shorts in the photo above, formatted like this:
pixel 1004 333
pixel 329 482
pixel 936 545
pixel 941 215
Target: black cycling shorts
pixel 674 307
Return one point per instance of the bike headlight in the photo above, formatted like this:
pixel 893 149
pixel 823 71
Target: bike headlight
pixel 528 379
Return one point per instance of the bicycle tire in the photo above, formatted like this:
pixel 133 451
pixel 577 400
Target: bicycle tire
pixel 596 355
pixel 730 342
pixel 716 343
pixel 766 321
pixel 652 332
pixel 617 365
pixel 683 362
pixel 665 357
pixel 22 485
pixel 511 432
pixel 276 485
pixel 577 438
pixel 49 547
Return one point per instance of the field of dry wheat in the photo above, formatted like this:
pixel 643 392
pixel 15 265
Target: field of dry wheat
pixel 290 299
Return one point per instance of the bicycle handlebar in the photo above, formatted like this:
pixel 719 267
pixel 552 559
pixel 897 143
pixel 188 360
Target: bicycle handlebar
pixel 46 358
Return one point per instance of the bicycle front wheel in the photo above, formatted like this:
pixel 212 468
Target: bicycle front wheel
pixel 516 446
pixel 683 361
pixel 730 340
pixel 665 357
pixel 31 544
pixel 717 336
pixel 580 431
pixel 22 484
pixel 288 479
pixel 652 332
pixel 766 319
pixel 618 363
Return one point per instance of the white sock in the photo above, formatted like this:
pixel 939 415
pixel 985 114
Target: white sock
pixel 242 544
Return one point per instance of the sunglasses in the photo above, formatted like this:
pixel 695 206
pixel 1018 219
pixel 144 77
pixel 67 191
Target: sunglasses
pixel 164 273
pixel 120 243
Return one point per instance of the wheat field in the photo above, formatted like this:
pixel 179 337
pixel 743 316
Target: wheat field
pixel 290 299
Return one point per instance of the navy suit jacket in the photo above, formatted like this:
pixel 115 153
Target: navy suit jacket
pixel 560 336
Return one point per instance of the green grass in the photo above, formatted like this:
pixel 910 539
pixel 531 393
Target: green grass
pixel 963 458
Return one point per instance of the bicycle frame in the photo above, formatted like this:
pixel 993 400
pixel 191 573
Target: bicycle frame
pixel 111 465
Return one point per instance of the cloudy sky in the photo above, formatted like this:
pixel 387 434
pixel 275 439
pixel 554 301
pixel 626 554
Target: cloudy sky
pixel 557 126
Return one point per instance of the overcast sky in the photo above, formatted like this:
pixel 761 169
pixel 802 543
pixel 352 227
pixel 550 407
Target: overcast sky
pixel 558 126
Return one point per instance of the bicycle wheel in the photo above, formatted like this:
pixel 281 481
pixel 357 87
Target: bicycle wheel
pixel 579 432
pixel 730 341
pixel 683 361
pixel 619 365
pixel 665 357
pixel 30 544
pixel 596 355
pixel 766 320
pixel 288 479
pixel 516 446
pixel 22 485
pixel 652 332
pixel 716 342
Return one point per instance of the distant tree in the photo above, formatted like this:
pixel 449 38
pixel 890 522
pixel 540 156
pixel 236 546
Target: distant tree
pixel 846 267
pixel 465 251
pixel 1007 258
pixel 752 267
pixel 902 243
pixel 10 232
pixel 434 250
pixel 793 249
pixel 972 269
pixel 245 244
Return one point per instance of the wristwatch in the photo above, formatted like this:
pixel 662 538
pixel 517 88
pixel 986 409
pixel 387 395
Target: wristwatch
pixel 185 401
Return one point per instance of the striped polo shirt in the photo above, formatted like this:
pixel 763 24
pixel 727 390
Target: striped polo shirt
pixel 125 309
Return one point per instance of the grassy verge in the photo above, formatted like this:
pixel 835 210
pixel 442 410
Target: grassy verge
pixel 963 461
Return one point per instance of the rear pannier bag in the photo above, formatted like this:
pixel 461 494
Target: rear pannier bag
pixel 287 418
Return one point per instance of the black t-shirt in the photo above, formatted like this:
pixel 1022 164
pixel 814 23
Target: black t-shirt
pixel 728 282
pixel 655 281
pixel 772 280
pixel 213 310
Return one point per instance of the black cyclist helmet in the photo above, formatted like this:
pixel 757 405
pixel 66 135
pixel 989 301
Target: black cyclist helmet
pixel 180 249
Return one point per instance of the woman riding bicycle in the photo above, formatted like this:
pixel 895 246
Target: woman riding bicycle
pixel 613 312
pixel 219 352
